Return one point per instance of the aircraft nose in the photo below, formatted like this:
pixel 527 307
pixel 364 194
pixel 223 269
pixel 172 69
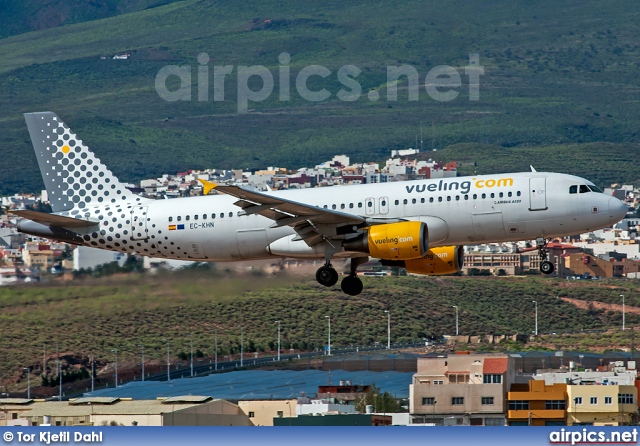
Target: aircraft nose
pixel 617 210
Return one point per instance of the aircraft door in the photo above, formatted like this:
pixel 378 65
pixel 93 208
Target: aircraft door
pixel 370 206
pixel 252 243
pixel 139 215
pixel 488 226
pixel 537 194
pixel 383 205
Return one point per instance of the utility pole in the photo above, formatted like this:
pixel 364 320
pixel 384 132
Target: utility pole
pixel 168 362
pixel 389 320
pixel 329 339
pixel 241 346
pixel 216 354
pixel 536 302
pixel 59 370
pixel 93 374
pixel 456 307
pixel 142 347
pixel 278 322
pixel 116 351
pixel 191 337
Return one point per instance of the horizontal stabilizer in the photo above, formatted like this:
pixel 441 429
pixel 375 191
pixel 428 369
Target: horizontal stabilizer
pixel 54 220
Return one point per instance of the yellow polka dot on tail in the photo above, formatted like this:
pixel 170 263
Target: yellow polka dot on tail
pixel 66 149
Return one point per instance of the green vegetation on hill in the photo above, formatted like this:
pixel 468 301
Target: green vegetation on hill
pixel 558 90
pixel 93 317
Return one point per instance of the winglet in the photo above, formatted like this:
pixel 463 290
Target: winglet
pixel 208 186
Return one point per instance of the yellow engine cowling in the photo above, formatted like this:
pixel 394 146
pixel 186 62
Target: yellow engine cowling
pixel 393 241
pixel 438 261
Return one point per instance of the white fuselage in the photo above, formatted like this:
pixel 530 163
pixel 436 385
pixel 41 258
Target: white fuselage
pixel 457 211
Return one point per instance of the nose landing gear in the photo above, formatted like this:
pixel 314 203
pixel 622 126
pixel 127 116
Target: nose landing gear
pixel 546 267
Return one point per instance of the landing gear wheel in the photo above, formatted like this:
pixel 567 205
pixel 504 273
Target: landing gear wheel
pixel 547 267
pixel 327 276
pixel 351 285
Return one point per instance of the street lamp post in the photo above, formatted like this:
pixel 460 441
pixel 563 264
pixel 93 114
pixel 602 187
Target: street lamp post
pixel 623 315
pixel 241 346
pixel 142 347
pixel 536 302
pixel 168 362
pixel 388 329
pixel 329 338
pixel 457 332
pixel 28 369
pixel 93 372
pixel 191 337
pixel 59 370
pixel 116 351
pixel 278 322
pixel 216 349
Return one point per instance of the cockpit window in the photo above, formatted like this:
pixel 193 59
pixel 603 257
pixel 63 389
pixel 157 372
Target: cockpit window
pixel 595 189
pixel 584 189
pixel 573 189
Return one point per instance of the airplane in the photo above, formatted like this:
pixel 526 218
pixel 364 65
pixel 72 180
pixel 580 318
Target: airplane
pixel 420 225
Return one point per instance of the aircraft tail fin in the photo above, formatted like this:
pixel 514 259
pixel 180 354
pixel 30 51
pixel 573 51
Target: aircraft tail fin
pixel 74 177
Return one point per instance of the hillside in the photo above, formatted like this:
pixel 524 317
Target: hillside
pixel 559 88
pixel 94 316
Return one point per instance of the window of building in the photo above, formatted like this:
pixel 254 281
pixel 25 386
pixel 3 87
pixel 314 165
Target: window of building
pixel 252 414
pixel 492 379
pixel 170 219
pixel 593 400
pixel 14 416
pixel 487 401
pixel 429 401
pixel 625 398
pixel 438 382
pixel 577 400
pixel 608 400
pixel 457 401
pixel 494 421
pixel 555 405
pixel 518 405
pixel 280 414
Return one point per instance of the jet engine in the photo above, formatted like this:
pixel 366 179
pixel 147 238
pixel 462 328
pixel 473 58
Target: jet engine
pixel 393 241
pixel 437 262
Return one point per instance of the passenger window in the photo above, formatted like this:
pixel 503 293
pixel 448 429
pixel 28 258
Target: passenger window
pixel 359 205
pixel 439 199
pixel 170 219
pixel 204 216
pixel 573 189
pixel 351 205
pixel 501 195
pixel 422 200
pixel 221 215
pixel 370 204
pixel 414 201
pixel 213 215
pixel 325 206
pixel 188 217
pixel 397 202
pixel 448 197
pixel 383 203
pixel 466 197
pixel 195 217
pixel 509 194
pixel 179 218
pixel 518 193
pixel 431 200
pixel 457 197
pixel 493 195
pixel 475 196
pixel 342 206
pixel 333 206
pixel 404 201
pixel 584 189
pixel 230 214
pixel 484 196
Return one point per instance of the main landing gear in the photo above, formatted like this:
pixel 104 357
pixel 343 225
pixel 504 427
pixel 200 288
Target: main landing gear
pixel 546 267
pixel 352 285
